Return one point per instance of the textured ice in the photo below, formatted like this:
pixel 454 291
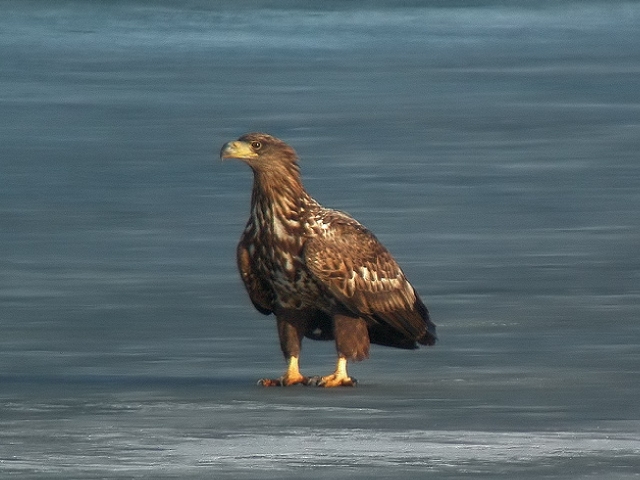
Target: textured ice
pixel 492 147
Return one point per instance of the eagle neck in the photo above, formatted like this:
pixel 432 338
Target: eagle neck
pixel 279 193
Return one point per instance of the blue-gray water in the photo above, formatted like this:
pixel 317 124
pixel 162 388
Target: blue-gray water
pixel 492 146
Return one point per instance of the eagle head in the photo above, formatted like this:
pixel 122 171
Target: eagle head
pixel 261 151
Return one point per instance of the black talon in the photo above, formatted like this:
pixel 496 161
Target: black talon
pixel 314 381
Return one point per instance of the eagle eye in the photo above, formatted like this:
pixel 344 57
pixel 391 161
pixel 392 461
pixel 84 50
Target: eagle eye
pixel 256 145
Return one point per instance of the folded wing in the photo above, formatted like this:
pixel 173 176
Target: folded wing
pixel 361 273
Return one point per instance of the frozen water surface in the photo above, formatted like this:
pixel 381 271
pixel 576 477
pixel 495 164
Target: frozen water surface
pixel 492 146
pixel 194 429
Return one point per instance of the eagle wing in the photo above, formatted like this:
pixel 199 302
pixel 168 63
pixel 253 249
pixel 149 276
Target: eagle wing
pixel 260 294
pixel 361 273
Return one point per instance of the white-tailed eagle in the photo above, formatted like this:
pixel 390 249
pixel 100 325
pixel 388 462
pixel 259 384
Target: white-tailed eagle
pixel 323 274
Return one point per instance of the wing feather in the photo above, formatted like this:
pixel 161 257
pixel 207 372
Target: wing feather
pixel 355 267
pixel 260 294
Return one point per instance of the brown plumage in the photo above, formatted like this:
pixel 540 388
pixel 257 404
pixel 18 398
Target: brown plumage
pixel 323 274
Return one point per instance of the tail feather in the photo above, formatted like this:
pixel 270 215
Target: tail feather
pixel 429 337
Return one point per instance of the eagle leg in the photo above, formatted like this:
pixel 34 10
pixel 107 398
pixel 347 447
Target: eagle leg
pixel 352 342
pixel 291 377
pixel 292 325
pixel 339 378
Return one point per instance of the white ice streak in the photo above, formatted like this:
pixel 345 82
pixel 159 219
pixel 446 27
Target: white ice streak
pixel 93 447
pixel 433 449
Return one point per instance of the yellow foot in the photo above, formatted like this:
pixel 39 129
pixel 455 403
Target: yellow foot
pixel 339 378
pixel 284 381
pixel 335 380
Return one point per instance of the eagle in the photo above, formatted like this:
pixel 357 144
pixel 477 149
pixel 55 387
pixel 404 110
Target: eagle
pixel 320 272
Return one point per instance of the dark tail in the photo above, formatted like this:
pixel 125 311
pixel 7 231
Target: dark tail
pixel 429 337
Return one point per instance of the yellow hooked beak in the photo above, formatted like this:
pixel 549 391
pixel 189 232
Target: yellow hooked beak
pixel 237 149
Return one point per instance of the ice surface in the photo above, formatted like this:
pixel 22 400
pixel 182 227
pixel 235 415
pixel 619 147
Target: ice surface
pixel 492 146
